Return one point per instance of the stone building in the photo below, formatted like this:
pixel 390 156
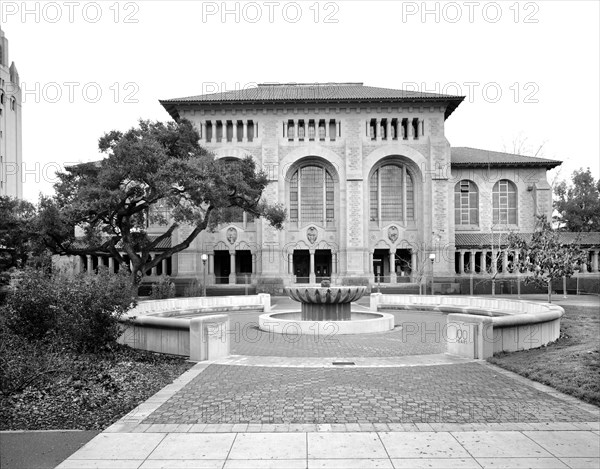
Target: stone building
pixel 374 191
pixel 10 125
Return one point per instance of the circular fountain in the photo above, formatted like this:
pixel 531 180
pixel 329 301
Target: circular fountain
pixel 326 310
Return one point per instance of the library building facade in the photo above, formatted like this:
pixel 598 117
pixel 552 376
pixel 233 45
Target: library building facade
pixel 375 194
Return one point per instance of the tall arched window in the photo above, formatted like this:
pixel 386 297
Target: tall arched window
pixel 312 195
pixel 392 196
pixel 504 199
pixel 466 203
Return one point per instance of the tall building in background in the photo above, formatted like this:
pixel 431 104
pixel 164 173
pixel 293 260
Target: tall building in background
pixel 11 156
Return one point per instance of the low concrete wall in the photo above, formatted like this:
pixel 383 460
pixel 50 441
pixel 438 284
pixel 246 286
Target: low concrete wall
pixel 154 326
pixel 479 327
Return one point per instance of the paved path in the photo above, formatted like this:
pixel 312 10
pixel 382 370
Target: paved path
pixel 357 402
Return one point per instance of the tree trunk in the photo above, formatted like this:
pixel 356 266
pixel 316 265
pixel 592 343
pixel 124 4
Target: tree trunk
pixel 549 290
pixel 493 287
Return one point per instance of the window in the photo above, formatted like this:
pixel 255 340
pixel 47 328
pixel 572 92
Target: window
pixel 312 195
pixel 504 199
pixel 466 203
pixel 392 195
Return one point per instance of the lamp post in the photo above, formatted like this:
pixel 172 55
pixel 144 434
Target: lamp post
pixel 204 259
pixel 432 259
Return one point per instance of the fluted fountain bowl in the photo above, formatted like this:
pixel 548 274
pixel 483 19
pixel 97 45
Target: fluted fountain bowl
pixel 326 311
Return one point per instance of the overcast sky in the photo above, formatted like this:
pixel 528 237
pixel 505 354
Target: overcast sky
pixel 530 70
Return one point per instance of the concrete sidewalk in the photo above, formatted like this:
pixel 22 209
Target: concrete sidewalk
pixel 570 448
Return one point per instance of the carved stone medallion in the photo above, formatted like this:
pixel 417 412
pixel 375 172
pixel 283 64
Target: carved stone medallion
pixel 232 235
pixel 311 234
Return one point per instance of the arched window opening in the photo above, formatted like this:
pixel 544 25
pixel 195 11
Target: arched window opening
pixel 392 196
pixel 466 203
pixel 312 195
pixel 504 198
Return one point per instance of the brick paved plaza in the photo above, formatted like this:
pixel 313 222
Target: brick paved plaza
pixel 461 393
pixel 392 400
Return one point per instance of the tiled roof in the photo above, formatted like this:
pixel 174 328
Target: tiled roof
pixel 466 156
pixel 475 240
pixel 314 92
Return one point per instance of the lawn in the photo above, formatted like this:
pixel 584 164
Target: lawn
pixel 572 363
pixel 90 391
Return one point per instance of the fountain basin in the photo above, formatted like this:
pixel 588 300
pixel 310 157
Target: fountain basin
pixel 325 303
pixel 359 323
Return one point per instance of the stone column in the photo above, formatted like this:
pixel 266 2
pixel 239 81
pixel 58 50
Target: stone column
pixel 388 129
pixel 89 264
pixel 203 127
pixel 244 131
pixel 211 263
pixel 111 265
pixel 472 262
pixel 338 126
pixel 290 264
pixel 312 276
pixel 392 266
pixel 595 261
pixel 254 263
pixel 326 129
pixel 154 271
pixel 163 265
pixel 378 130
pixel 409 129
pixel 370 262
pixel 484 261
pixel 494 261
pixel 334 261
pixel 296 125
pixel 232 279
pixel 461 262
pixel 505 261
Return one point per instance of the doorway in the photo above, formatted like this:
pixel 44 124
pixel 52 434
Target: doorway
pixel 322 265
pixel 381 265
pixel 222 267
pixel 301 261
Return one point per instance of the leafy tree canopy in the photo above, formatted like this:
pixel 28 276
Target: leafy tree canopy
pixel 544 256
pixel 149 170
pixel 16 217
pixel 579 202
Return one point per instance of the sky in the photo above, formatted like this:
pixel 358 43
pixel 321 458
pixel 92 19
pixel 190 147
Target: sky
pixel 529 70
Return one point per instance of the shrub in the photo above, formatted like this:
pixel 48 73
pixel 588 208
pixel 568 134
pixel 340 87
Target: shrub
pixel 163 289
pixel 82 312
pixel 31 307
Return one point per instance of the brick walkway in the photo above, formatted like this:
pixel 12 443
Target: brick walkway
pixel 463 393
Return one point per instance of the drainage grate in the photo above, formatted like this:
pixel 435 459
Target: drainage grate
pixel 343 363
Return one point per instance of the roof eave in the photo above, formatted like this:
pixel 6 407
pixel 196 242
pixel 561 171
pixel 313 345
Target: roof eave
pixel 536 164
pixel 170 105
